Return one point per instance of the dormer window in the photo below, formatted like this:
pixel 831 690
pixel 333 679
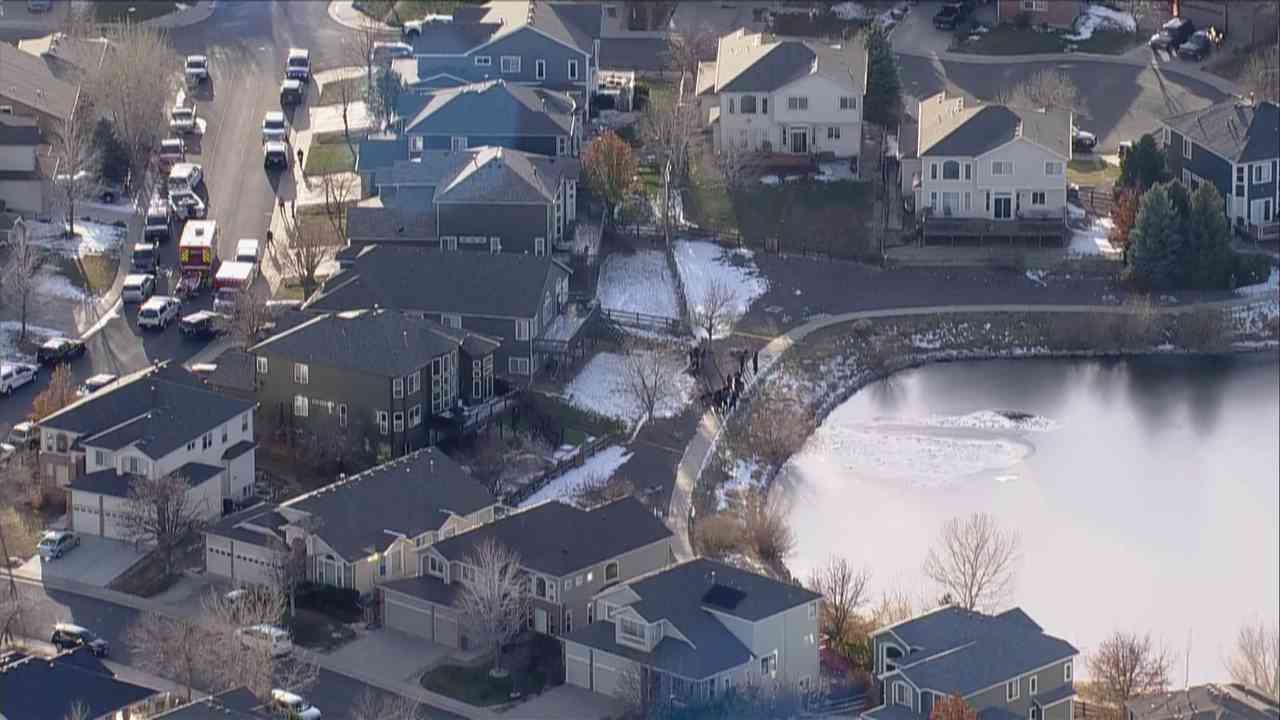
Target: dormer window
pixel 632 630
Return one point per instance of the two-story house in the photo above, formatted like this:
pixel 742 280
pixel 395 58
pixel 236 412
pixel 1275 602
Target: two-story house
pixel 23 187
pixel 1059 14
pixel 514 299
pixel 159 421
pixel 1229 701
pixel 488 199
pixel 1003 665
pixel 29 87
pixel 983 170
pixel 1235 145
pixel 533 42
pixel 494 113
pixel 694 631
pixel 360 531
pixel 789 96
pixel 373 377
pixel 569 554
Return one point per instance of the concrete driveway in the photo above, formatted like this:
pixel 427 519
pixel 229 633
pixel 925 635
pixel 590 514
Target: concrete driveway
pixel 391 654
pixel 96 562
pixel 916 32
pixel 569 701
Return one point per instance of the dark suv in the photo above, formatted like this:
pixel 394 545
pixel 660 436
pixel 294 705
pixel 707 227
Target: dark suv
pixel 951 15
pixel 1172 34
pixel 69 637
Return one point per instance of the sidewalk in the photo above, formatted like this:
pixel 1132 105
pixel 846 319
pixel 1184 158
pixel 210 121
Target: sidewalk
pixel 344 13
pixel 199 12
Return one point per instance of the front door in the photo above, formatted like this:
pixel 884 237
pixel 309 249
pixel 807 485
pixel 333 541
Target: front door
pixel 540 620
pixel 800 140
pixel 1003 206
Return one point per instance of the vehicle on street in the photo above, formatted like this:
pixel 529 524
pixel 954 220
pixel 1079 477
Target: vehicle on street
pixel 39 6
pixel 146 258
pixel 247 250
pixel 24 435
pixel 413 28
pixel 59 350
pixel 197 70
pixel 157 312
pixel 158 226
pixel 7 453
pixel 95 383
pixel 1083 140
pixel 110 190
pixel 172 150
pixel 275 155
pixel 385 52
pixel 15 375
pixel 298 66
pixel 1172 34
pixel 186 205
pixel 184 177
pixel 183 119
pixel 1197 47
pixel 198 250
pixel 203 325
pixel 69 637
pixel 275 127
pixel 137 288
pixel 292 92
pixel 293 705
pixel 233 277
pixel 951 14
pixel 272 638
pixel 56 543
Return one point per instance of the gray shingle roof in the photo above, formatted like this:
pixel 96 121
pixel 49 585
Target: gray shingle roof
pixel 27 79
pixel 114 484
pixel 253 525
pixel 635 53
pixel 387 343
pixel 1238 131
pixel 15 130
pixel 39 688
pixel 957 651
pixel 717 649
pixel 560 539
pixel 892 712
pixel 459 36
pixel 391 225
pixel 491 108
pixel 687 583
pixel 748 62
pixel 426 587
pixel 466 283
pixel 237 704
pixel 1205 702
pixel 234 372
pixel 379 153
pixel 409 495
pixel 160 408
pixel 973 130
pixel 491 174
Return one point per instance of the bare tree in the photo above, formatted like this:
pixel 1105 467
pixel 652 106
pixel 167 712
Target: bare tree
pixel 133 88
pixel 176 648
pixel 60 393
pixel 844 591
pixel 765 526
pixel 495 604
pixel 893 606
pixel 78 711
pixel 289 568
pixel 734 161
pixel 488 460
pixel 159 510
pixel 253 665
pixel 378 705
pixel 667 127
pixel 340 191
pixel 975 561
pixel 716 309
pixel 76 161
pixel 686 49
pixel 303 250
pixel 17 539
pixel 648 378
pixel 1124 666
pixel 1046 89
pixel 600 489
pixel 1256 660
pixel 777 427
pixel 250 319
pixel 25 261
pixel 1261 76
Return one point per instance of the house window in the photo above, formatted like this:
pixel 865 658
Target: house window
pixel 1035 5
pixel 398 422
pixel 748 104
pixel 813 610
pixel 797 103
pixel 415 143
pixel 415 416
pixel 484 60
pixel 578 580
pixel 342 414
pixel 452 320
pixel 899 693
pixel 1011 690
pixel 382 419
pixel 1035 685
pixel 495 244
pixel 102 458
pixel 413 383
pixel 809 638
pixel 262 365
pixel 1066 671
pixel 1186 148
pixel 1053 169
pixel 933 199
pixel 244 423
pixel 457 142
pixel 397 388
pixel 968 171
pixel 191 446
pixel 769 665
pixel 522 329
pixel 1261 173
pixel 848 102
pixel 731 106
pixel 764 105
pixel 1037 198
pixel 1001 167
pixel 573 69
pixel 382 566
pixel 435 565
pixel 540 69
pixel 562 145
pixel 833 132
pixel 224 434
pixel 510 64
pixel 568 621
pixel 518 366
pixel 968 201
pixel 300 406
pixel 539 246
pixel 611 571
pixel 301 373
pixel 933 171
pixel 631 629
pixel 951 170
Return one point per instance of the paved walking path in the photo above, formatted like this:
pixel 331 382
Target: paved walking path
pixel 701 446
pixel 344 13
pixel 197 13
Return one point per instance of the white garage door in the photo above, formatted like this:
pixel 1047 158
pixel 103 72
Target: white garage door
pixel 606 672
pixel 217 561
pixel 577 666
pixel 406 619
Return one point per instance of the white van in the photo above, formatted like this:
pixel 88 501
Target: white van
pixel 247 251
pixel 137 288
pixel 266 637
pixel 184 177
pixel 294 705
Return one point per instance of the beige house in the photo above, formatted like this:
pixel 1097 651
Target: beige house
pixel 23 185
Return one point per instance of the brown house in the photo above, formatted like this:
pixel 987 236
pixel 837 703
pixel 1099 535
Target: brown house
pixel 1054 13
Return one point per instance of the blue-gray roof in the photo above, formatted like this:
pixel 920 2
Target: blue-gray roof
pixel 717 651
pixel 109 482
pixel 1205 702
pixel 1054 696
pixel 489 108
pixel 1239 131
pixel 892 712
pixel 237 704
pixel 39 688
pixel 377 153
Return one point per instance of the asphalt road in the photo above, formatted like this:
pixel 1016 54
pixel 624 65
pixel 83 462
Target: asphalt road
pixel 336 695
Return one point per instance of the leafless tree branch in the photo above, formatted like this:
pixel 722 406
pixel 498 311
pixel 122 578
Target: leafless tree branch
pixel 1124 666
pixel 159 510
pixel 844 591
pixel 495 604
pixel 1256 661
pixel 26 259
pixel 975 562
pixel 648 375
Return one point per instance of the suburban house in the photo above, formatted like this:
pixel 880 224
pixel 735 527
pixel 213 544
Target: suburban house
pixel 360 531
pixel 695 630
pixel 379 378
pixel 23 185
pixel 231 373
pixel 569 554
pixel 1005 666
pixel 1235 145
pixel 1037 13
pixel 31 89
pixel 797 97
pixel 981 170
pixel 492 113
pixel 156 422
pixel 488 199
pixel 235 704
pixel 531 42
pixel 68 58
pixel 41 687
pixel 517 300
pixel 1200 702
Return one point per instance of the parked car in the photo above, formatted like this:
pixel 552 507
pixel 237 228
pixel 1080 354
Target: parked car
pixel 275 154
pixel 187 205
pixel 184 177
pixel 1172 34
pixel 203 325
pixel 69 637
pixel 385 52
pixel 58 350
pixel 95 383
pixel 197 69
pixel 146 258
pixel 39 6
pixel 172 150
pixel 951 14
pixel 57 543
pixel 293 705
pixel 137 288
pixel 247 250
pixel 1197 47
pixel 1083 140
pixel 275 127
pixel 182 119
pixel 24 435
pixel 109 190
pixel 298 66
pixel 157 312
pixel 15 375
pixel 292 92
pixel 266 637
pixel 158 226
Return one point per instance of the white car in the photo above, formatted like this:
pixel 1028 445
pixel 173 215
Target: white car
pixel 271 638
pixel 57 543
pixel 158 312
pixel 182 119
pixel 184 177
pixel 137 288
pixel 15 375
pixel 95 383
pixel 197 69
pixel 275 127
pixel 294 705
pixel 385 52
pixel 298 66
pixel 247 250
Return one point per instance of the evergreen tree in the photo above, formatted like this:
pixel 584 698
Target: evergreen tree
pixel 1210 261
pixel 884 86
pixel 1180 196
pixel 382 96
pixel 1144 165
pixel 1156 243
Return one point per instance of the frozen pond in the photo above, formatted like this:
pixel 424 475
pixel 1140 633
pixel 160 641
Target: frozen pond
pixel 1146 491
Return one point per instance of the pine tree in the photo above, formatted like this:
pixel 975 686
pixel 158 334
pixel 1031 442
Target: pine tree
pixel 1210 260
pixel 1156 242
pixel 1144 165
pixel 884 86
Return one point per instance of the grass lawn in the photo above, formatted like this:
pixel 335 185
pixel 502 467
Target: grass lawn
pixel 325 158
pixel 650 179
pixel 1086 171
pixel 1008 40
pixel 706 200
pixel 1109 42
pixel 317 631
pixel 332 92
pixel 533 663
pixel 91 273
pixel 120 10
pixel 470 685
pixel 288 290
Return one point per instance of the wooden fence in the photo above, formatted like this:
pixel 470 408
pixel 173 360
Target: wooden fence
pixel 585 451
pixel 643 321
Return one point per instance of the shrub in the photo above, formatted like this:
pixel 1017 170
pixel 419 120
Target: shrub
pixel 1201 330
pixel 862 328
pixel 1022 21
pixel 718 535
pixel 1251 269
pixel 765 528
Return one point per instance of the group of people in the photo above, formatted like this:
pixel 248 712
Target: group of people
pixel 726 397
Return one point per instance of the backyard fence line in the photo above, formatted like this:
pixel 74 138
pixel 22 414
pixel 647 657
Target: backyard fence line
pixel 529 489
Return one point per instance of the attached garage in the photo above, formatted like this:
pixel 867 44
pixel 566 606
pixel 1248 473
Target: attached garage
pixel 422 607
pixel 100 499
pixel 242 547
pixel 408 615
pixel 595 670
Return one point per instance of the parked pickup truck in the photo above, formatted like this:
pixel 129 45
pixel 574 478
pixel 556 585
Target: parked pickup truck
pixel 182 119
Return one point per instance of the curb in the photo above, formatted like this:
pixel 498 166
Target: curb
pixel 343 13
pixel 186 18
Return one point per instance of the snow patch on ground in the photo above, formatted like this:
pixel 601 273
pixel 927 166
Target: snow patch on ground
pixel 595 389
pixel 1271 284
pixel 851 11
pixel 742 478
pixel 702 263
pixel 1098 17
pixel 600 466
pixel 91 238
pixel 993 420
pixel 640 282
pixel 9 330
pixel 1093 241
pixel 52 284
pixel 1037 277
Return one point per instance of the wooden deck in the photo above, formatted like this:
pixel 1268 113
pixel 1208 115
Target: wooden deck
pixel 1034 231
